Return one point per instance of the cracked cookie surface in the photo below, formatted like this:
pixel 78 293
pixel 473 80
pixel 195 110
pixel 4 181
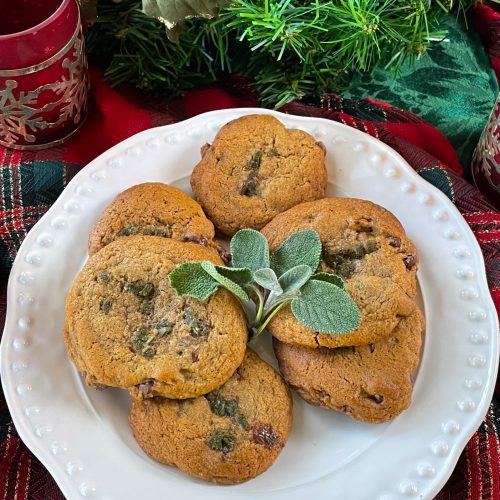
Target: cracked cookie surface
pixel 228 436
pixel 152 209
pixel 370 383
pixel 126 327
pixel 256 168
pixel 367 246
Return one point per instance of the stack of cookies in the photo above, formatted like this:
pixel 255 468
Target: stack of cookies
pixel 365 373
pixel 201 400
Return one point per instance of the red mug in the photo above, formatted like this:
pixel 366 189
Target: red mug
pixel 44 82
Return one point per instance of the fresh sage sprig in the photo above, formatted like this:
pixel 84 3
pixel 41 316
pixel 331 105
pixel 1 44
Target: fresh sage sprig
pixel 272 281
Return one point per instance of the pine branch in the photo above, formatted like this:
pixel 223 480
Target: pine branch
pixel 288 48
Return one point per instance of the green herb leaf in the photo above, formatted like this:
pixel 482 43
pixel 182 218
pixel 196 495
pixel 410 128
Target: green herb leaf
pixel 294 278
pixel 325 308
pixel 267 278
pixel 233 287
pixel 334 279
pixel 303 247
pixel 190 279
pixel 239 275
pixel 250 250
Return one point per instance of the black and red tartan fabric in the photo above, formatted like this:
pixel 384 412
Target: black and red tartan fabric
pixel 31 182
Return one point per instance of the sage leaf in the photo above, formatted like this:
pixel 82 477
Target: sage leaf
pixel 294 278
pixel 240 275
pixel 190 279
pixel 334 279
pixel 302 247
pixel 250 250
pixel 226 282
pixel 267 278
pixel 325 308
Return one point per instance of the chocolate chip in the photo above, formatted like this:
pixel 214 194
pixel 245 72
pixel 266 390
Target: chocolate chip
pixel 377 398
pixel 346 409
pixel 224 255
pixel 107 240
pixel 194 356
pixel 264 434
pixel 372 347
pixel 395 242
pixel 410 261
pixel 193 238
pixel 145 387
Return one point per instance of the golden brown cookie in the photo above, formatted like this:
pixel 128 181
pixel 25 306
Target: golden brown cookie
pixel 370 383
pixel 126 327
pixel 367 246
pixel 152 209
pixel 228 436
pixel 255 169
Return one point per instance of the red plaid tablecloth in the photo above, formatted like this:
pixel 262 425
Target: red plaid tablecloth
pixel 31 182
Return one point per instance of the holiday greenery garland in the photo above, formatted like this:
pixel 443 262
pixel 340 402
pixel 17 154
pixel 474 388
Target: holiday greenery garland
pixel 287 48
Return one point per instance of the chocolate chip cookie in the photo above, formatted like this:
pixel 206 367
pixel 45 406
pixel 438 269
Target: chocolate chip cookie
pixel 256 168
pixel 370 383
pixel 367 246
pixel 152 209
pixel 125 325
pixel 228 436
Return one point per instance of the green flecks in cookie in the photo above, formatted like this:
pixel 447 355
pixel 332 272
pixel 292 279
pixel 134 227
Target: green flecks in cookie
pixel 249 187
pixel 343 261
pixel 146 338
pixel 142 341
pixel 105 305
pixel 103 277
pixel 163 233
pixel 163 328
pixel 141 288
pixel 197 327
pixel 255 160
pixel 221 406
pixel 146 307
pixel 273 152
pixel 107 240
pixel 129 230
pixel 243 422
pixel 222 441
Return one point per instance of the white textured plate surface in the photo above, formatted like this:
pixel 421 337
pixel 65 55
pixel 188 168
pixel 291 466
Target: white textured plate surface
pixel 82 436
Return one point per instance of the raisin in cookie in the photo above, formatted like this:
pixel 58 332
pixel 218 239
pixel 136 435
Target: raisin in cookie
pixel 255 169
pixel 125 325
pixel 228 436
pixel 367 246
pixel 152 209
pixel 370 383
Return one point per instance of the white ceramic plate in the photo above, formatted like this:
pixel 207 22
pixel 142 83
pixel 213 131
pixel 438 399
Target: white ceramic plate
pixel 82 436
